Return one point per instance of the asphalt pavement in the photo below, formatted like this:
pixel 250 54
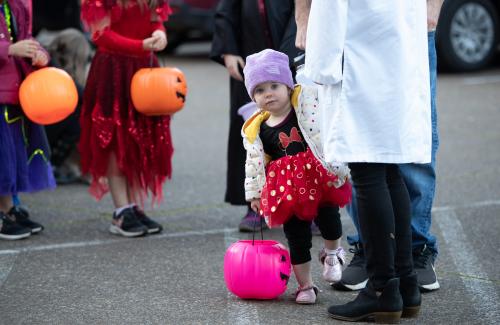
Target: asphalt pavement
pixel 75 272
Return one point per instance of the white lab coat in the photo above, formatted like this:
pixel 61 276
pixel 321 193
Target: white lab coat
pixel 376 108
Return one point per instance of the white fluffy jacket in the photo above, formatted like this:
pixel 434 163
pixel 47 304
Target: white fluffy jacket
pixel 305 103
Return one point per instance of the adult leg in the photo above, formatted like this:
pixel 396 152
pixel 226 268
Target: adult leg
pixel 354 276
pixel 420 180
pixel 408 286
pixel 377 217
pixel 401 207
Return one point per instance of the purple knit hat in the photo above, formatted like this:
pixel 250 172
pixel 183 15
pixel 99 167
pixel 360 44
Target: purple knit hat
pixel 267 66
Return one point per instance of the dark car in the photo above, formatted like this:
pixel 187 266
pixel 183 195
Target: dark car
pixel 191 20
pixel 468 34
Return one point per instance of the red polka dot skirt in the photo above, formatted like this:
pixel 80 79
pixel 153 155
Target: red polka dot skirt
pixel 299 185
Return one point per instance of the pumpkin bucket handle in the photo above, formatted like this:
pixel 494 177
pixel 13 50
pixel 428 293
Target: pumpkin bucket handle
pixel 261 232
pixel 151 59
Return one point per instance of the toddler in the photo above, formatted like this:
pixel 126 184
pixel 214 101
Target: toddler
pixel 285 181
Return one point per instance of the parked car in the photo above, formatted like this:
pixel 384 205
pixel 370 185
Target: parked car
pixel 468 34
pixel 191 20
pixel 467 39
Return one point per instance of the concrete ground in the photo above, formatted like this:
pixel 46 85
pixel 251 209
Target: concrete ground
pixel 75 272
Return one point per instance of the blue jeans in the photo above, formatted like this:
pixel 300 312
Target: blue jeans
pixel 420 179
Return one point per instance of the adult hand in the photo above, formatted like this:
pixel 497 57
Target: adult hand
pixel 255 205
pixel 302 8
pixel 433 10
pixel 40 60
pixel 24 49
pixel 233 63
pixel 300 38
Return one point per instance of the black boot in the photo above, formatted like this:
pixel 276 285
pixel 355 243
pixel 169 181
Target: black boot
pixel 385 307
pixel 408 287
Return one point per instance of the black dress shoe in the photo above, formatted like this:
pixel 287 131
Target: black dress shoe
pixel 408 287
pixel 384 307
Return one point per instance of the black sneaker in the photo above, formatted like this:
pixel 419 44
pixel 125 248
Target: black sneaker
pixel 153 226
pixel 11 230
pixel 354 277
pixel 127 225
pixel 423 262
pixel 22 217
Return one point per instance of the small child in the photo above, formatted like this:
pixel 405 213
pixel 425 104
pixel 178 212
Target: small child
pixel 127 153
pixel 285 181
pixel 24 152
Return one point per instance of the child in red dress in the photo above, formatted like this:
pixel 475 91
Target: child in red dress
pixel 285 182
pixel 132 151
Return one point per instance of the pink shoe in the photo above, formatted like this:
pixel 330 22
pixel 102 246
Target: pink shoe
pixel 306 296
pixel 332 264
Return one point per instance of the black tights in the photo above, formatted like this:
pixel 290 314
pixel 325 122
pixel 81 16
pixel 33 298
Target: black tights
pixel 384 219
pixel 298 233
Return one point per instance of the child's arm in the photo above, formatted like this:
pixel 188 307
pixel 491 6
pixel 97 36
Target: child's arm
pixel 255 177
pixel 306 104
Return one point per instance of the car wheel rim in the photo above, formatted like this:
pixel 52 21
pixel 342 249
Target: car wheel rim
pixel 472 33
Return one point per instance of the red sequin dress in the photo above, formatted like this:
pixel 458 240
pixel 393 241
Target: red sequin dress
pixel 109 122
pixel 296 182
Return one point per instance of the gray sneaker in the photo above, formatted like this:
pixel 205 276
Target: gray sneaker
pixel 354 277
pixel 423 263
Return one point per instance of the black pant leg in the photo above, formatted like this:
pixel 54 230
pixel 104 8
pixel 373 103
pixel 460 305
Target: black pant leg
pixel 402 217
pixel 329 223
pixel 298 234
pixel 376 220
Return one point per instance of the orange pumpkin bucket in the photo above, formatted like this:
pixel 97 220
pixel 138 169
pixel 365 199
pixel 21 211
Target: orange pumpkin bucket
pixel 158 91
pixel 48 96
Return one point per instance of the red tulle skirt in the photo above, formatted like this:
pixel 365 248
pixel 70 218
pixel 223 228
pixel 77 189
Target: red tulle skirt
pixel 299 185
pixel 111 125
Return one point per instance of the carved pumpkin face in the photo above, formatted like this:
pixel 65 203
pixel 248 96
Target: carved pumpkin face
pixel 158 91
pixel 258 270
pixel 48 96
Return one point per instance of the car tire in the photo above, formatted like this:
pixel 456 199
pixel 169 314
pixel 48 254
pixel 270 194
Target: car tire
pixel 467 36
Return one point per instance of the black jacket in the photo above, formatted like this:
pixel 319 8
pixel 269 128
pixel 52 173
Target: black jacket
pixel 240 30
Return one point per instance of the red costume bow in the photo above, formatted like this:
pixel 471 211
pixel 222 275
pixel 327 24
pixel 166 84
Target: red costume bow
pixel 294 136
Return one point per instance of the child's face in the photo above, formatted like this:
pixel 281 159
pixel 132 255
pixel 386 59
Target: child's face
pixel 273 97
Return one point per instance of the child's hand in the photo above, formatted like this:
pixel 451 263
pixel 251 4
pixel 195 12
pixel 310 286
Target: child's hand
pixel 255 205
pixel 24 49
pixel 157 41
pixel 161 40
pixel 40 59
pixel 233 63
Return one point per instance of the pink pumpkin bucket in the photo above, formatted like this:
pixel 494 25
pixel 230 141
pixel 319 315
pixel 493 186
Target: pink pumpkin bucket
pixel 257 269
